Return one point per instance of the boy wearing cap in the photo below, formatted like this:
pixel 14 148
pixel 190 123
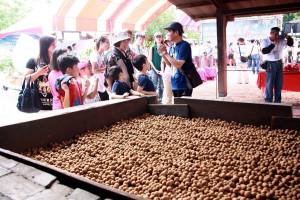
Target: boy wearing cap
pixel 179 57
pixel 68 88
pixel 155 62
pixel 120 58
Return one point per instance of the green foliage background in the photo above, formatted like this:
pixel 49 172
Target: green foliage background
pixel 13 11
pixel 161 21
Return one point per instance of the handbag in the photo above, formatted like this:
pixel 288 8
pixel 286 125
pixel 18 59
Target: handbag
pixel 29 100
pixel 243 58
pixel 192 77
pixel 264 65
pixel 250 57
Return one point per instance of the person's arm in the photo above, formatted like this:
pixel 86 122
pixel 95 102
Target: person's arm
pixel 35 75
pixel 176 63
pixel 109 81
pixel 66 98
pixel 141 90
pixel 173 61
pixel 115 96
pixel 95 69
pixel 268 49
pixel 163 64
pixel 136 93
pixel 86 87
pixel 94 89
pixel 150 60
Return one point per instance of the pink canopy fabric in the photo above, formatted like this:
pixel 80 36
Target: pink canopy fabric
pixel 107 15
pixel 188 23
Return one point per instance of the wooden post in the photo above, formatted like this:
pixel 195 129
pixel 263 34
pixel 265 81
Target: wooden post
pixel 222 53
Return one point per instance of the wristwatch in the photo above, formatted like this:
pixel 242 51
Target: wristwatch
pixel 162 53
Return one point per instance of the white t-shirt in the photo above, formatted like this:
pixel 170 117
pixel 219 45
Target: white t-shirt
pixel 92 83
pixel 137 50
pixel 277 51
pixel 255 50
pixel 95 57
pixel 237 54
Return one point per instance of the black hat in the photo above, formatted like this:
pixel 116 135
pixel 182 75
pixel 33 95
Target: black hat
pixel 176 26
pixel 64 78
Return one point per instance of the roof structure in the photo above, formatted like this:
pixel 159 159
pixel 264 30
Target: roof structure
pixel 107 15
pixel 207 9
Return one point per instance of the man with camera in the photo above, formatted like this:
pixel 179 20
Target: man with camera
pixel 272 49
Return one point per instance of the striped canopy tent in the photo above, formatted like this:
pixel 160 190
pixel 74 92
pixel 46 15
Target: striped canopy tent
pixel 188 23
pixel 107 15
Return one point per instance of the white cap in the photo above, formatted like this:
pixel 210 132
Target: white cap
pixel 158 33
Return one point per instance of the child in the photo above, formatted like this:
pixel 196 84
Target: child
pixel 145 85
pixel 120 89
pixel 66 85
pixel 85 72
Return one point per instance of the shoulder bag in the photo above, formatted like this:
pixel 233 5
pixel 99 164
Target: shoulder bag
pixel 250 57
pixel 243 58
pixel 29 100
pixel 192 77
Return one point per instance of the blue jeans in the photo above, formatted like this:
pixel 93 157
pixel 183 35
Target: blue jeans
pixel 274 79
pixel 255 61
pixel 249 63
pixel 158 83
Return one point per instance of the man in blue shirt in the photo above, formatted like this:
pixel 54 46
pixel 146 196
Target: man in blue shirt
pixel 179 57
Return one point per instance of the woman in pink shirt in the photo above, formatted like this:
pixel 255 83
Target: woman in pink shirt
pixel 54 74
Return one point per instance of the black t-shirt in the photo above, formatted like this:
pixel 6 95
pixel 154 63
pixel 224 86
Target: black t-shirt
pixel 44 86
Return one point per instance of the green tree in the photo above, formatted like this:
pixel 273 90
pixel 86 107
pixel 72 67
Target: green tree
pixel 13 11
pixel 163 20
pixel 290 17
pixel 192 34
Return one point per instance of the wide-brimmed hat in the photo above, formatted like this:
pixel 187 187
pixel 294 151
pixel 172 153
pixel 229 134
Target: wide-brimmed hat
pixel 123 35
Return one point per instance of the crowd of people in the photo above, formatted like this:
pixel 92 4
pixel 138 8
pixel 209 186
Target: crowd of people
pixel 111 72
pixel 124 69
pixel 274 51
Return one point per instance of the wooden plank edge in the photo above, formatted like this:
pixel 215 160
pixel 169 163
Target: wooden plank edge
pixel 279 122
pixel 72 180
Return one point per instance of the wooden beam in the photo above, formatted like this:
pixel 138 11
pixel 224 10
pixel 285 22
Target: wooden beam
pixel 222 53
pixel 218 4
pixel 205 3
pixel 196 4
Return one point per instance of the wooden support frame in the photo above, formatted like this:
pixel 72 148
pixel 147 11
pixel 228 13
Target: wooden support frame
pixel 63 126
pixel 222 53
